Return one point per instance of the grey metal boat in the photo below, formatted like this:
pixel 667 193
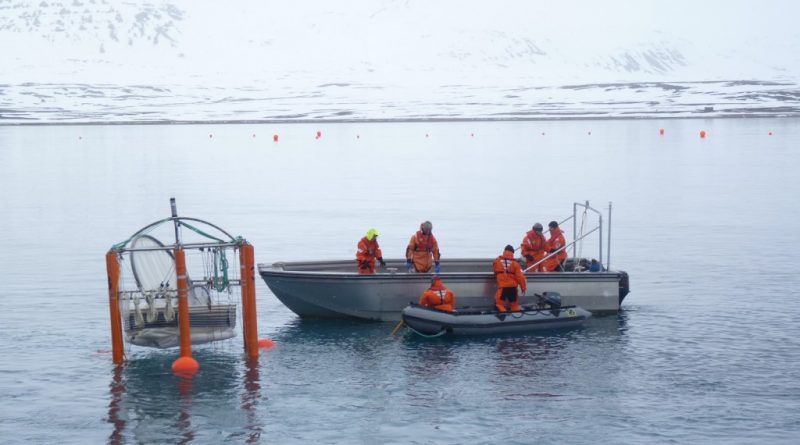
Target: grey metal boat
pixel 488 321
pixel 334 289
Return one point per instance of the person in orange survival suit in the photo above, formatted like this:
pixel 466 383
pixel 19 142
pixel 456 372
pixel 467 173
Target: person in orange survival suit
pixel 368 251
pixel 423 250
pixel 556 241
pixel 508 274
pixel 438 296
pixel 534 248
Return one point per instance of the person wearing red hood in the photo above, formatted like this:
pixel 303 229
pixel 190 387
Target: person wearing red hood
pixel 437 296
pixel 534 248
pixel 508 274
pixel 423 250
pixel 368 251
pixel 556 242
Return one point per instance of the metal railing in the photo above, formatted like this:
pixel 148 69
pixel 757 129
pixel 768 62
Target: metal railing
pixel 584 234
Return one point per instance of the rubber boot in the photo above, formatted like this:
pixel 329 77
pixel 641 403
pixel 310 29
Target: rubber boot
pixel 498 301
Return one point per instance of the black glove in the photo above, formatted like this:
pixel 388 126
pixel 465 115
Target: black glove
pixel 383 263
pixel 529 257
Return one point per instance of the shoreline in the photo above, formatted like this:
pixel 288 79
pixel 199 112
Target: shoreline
pixel 699 115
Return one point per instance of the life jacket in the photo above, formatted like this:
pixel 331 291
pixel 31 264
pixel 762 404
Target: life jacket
pixel 507 271
pixel 368 247
pixel 422 242
pixel 445 297
pixel 557 241
pixel 534 241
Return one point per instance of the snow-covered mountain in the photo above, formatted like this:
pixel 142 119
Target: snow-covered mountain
pixel 104 60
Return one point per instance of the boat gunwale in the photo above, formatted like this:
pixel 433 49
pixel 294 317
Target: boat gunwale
pixel 277 270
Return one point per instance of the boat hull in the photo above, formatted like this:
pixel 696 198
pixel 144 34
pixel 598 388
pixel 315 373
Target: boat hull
pixel 334 290
pixel 427 321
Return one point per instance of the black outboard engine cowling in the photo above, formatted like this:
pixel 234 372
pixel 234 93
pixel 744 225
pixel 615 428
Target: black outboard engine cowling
pixel 553 299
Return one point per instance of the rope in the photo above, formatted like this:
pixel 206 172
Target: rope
pixel 442 332
pixel 122 244
pixel 152 314
pixel 138 320
pixel 221 283
pixel 200 232
pixel 580 238
pixel 169 309
pixel 125 308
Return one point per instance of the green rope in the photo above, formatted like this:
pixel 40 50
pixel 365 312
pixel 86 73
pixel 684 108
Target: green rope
pixel 442 332
pixel 196 230
pixel 221 283
pixel 121 244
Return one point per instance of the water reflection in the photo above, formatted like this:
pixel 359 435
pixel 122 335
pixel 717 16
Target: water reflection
pixel 149 404
pixel 427 360
pixel 325 331
pixel 251 397
pixel 117 391
pixel 518 356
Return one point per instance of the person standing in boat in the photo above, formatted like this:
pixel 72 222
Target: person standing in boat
pixel 509 275
pixel 534 248
pixel 556 242
pixel 368 251
pixel 438 296
pixel 422 252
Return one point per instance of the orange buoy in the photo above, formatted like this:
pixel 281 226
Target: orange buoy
pixel 249 320
pixel 117 347
pixel 265 343
pixel 661 131
pixel 185 366
pixel 702 134
pixel 274 138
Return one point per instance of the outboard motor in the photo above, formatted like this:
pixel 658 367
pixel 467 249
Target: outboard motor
pixel 552 300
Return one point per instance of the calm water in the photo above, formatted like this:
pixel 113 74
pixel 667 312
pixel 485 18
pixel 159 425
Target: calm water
pixel 707 348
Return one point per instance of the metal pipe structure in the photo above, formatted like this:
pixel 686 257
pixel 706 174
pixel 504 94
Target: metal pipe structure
pixel 117 348
pixel 174 208
pixel 574 228
pixel 600 238
pixel 608 252
pixel 185 246
pixel 559 250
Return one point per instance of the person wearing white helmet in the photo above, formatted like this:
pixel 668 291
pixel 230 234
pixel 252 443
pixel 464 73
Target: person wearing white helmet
pixel 369 251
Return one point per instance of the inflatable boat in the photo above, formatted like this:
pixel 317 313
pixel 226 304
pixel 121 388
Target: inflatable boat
pixel 547 314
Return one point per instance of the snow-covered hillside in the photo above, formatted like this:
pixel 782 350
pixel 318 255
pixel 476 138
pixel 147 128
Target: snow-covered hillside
pixel 104 60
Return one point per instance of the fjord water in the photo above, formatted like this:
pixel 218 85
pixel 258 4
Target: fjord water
pixel 706 349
